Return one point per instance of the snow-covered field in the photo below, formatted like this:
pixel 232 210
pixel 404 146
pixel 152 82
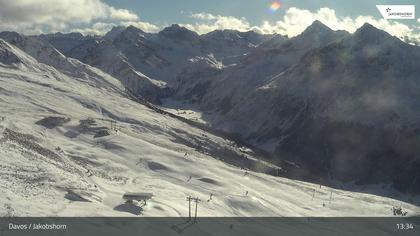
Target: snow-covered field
pixel 57 167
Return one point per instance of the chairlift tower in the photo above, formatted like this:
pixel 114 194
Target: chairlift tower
pixel 196 200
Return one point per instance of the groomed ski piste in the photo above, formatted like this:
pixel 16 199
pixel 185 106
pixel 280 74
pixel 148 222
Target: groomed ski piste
pixel 60 155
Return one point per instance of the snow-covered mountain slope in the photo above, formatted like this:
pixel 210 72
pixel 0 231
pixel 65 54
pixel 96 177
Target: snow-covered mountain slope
pixel 262 64
pixel 11 57
pixel 193 81
pixel 59 156
pixel 345 110
pixel 162 56
pixel 230 46
pixel 107 58
pixel 44 52
pixel 66 42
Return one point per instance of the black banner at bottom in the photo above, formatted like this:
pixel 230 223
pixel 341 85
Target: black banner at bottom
pixel 217 226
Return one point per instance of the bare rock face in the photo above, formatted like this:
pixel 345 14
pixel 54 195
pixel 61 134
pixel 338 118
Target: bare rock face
pixel 6 56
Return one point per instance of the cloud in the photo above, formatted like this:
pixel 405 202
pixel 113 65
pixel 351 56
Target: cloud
pixel 148 27
pixel 36 16
pixel 101 28
pixel 208 22
pixel 122 14
pixel 97 17
pixel 98 28
pixel 44 11
pixel 296 20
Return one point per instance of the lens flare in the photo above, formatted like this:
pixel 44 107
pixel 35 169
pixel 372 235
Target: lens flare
pixel 275 6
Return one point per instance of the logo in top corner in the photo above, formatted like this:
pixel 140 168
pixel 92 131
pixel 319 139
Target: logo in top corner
pixel 397 12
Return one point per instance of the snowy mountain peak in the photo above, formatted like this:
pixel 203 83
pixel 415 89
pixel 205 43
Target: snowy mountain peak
pixel 129 32
pixel 12 56
pixel 134 30
pixel 114 32
pixel 367 26
pixel 224 34
pixel 72 35
pixel 175 27
pixel 317 27
pixel 232 35
pixel 11 37
pixel 318 34
pixel 370 34
pixel 178 32
pixel 275 42
pixel 7 57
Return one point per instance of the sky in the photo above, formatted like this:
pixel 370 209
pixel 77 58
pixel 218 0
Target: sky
pixel 286 17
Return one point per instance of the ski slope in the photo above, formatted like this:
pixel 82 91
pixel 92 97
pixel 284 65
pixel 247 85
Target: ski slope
pixel 51 163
